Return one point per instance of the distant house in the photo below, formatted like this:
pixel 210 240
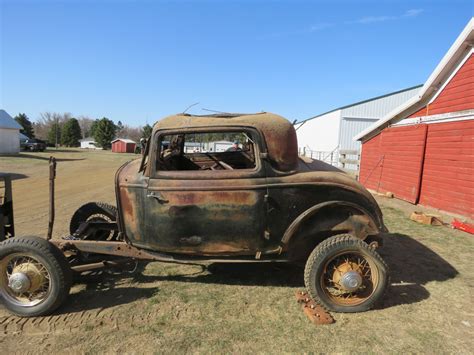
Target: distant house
pixel 123 145
pixel 9 134
pixel 88 143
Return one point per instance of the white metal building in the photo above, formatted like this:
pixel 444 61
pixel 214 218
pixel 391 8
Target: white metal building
pixel 332 131
pixel 89 143
pixel 9 134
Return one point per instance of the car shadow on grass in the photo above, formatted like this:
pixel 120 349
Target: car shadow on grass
pixel 412 265
pixel 104 291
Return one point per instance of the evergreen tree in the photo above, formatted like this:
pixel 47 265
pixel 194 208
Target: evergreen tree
pixel 93 128
pixel 54 134
pixel 104 132
pixel 119 129
pixel 71 133
pixel 146 131
pixel 25 123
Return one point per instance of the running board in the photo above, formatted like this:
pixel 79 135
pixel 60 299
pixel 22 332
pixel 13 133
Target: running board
pixel 129 251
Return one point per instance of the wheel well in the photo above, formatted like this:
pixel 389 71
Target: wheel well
pixel 327 221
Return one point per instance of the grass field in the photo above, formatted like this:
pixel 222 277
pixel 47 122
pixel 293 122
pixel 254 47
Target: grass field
pixel 235 308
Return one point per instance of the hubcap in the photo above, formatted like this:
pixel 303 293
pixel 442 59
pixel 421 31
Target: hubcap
pixel 19 282
pixel 348 278
pixel 24 280
pixel 351 281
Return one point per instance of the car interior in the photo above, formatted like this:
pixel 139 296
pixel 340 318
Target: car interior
pixel 206 151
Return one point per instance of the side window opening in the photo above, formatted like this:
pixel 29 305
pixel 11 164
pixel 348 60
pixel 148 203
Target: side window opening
pixel 233 150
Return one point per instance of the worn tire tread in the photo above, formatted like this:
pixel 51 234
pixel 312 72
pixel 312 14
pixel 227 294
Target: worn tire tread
pixel 54 256
pixel 77 217
pixel 325 247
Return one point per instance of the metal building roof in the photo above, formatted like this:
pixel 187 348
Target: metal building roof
pixel 373 114
pixel 6 121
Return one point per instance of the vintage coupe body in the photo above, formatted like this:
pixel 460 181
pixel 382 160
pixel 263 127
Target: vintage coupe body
pixel 190 200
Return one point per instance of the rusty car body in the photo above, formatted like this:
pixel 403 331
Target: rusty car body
pixel 249 212
pixel 259 203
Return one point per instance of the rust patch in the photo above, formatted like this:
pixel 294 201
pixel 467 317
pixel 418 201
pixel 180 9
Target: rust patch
pixel 215 198
pixel 315 312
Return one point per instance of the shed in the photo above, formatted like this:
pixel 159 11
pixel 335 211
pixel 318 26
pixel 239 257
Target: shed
pixel 423 151
pixel 123 145
pixel 9 134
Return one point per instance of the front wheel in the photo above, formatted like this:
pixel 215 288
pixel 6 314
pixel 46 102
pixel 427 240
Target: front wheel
pixel 345 275
pixel 35 277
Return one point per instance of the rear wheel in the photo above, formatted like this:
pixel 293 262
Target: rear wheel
pixel 35 277
pixel 345 275
pixel 95 212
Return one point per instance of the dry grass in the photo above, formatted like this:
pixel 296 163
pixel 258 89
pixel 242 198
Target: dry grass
pixel 239 308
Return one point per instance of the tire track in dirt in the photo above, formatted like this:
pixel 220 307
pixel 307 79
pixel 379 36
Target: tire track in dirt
pixel 70 323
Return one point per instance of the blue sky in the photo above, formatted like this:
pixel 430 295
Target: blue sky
pixel 137 61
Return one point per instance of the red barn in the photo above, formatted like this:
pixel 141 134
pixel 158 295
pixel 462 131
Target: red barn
pixel 423 151
pixel 122 145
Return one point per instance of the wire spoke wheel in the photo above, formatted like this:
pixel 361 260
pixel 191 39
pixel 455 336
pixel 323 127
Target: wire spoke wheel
pixel 345 275
pixel 348 278
pixel 24 281
pixel 35 277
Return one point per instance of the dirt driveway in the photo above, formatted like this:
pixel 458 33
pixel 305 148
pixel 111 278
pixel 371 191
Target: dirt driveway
pixel 234 308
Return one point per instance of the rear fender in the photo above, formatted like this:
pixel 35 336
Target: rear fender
pixel 324 220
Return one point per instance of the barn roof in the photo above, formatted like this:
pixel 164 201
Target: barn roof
pixel 6 121
pixel 460 48
pixel 126 140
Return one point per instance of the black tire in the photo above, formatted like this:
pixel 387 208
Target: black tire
pixel 330 294
pixel 97 211
pixel 45 254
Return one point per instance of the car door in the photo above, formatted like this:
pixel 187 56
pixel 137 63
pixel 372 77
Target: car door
pixel 206 212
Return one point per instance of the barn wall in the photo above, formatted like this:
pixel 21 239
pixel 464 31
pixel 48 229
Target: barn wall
pixel 118 147
pixel 349 127
pixel 393 161
pixel 430 164
pixel 9 141
pixel 448 172
pixel 130 147
pixel 457 95
pixel 320 133
pixel 370 165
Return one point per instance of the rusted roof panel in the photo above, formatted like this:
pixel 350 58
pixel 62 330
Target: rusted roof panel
pixel 278 132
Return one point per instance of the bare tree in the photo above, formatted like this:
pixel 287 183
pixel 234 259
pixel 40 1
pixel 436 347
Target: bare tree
pixel 47 121
pixel 133 133
pixel 85 123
